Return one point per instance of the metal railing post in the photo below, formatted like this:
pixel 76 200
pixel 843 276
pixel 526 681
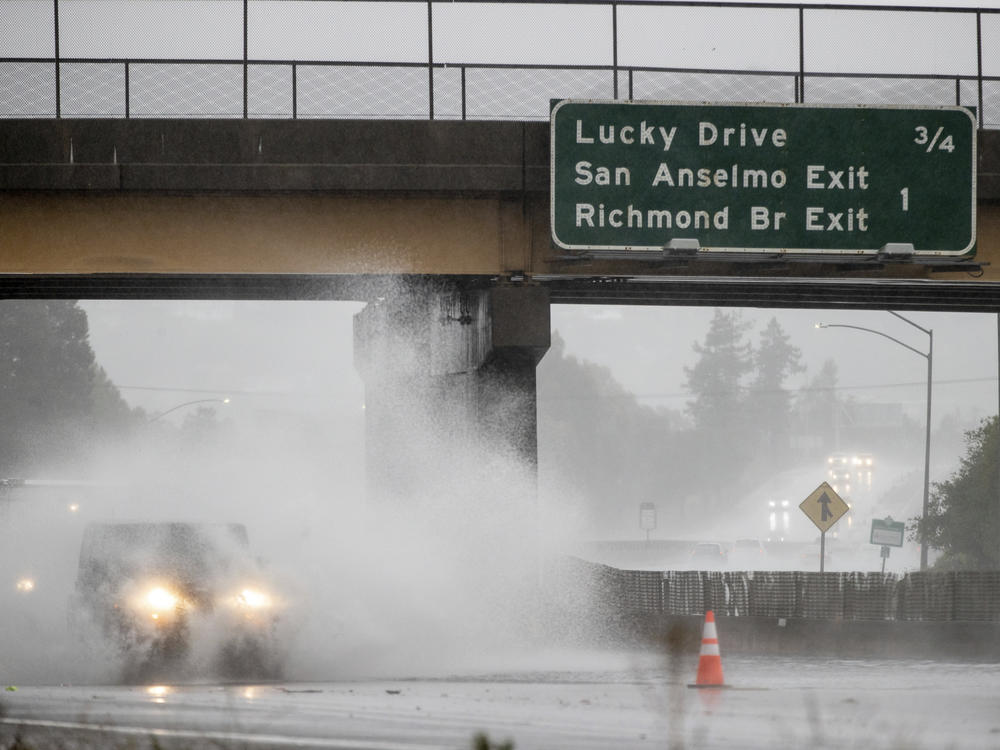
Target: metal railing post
pixel 128 103
pixel 430 57
pixel 295 91
pixel 245 58
pixel 55 14
pixel 614 44
pixel 802 55
pixel 979 63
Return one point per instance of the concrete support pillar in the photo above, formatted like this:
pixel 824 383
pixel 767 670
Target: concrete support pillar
pixel 450 391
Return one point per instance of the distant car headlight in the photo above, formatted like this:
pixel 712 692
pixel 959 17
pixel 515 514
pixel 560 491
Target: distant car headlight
pixel 25 585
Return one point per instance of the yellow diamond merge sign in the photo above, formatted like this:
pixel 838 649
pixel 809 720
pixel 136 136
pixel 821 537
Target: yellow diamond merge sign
pixel 824 507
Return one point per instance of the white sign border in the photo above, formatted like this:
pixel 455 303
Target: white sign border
pixel 863 252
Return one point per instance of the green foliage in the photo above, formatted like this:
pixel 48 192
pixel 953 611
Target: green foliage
pixel 54 398
pixel 818 407
pixel 722 425
pixel 774 360
pixel 20 744
pixel 770 405
pixel 600 446
pixel 715 380
pixel 614 452
pixel 481 741
pixel 963 519
pixel 199 426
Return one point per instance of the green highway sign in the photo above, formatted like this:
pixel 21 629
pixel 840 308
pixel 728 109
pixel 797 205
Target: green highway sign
pixel 763 178
pixel 887 532
pixel 647 516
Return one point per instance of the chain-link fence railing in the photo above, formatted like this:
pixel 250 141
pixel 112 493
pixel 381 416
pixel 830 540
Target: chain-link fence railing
pixel 927 596
pixel 480 59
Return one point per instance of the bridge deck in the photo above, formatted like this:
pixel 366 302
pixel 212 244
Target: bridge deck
pixel 335 208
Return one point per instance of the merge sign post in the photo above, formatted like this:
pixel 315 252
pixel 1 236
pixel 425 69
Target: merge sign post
pixel 774 179
pixel 824 507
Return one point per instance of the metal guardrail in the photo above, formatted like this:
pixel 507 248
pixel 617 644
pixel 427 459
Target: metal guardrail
pixel 434 67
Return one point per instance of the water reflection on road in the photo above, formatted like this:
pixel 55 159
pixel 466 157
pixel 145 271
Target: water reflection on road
pixel 620 700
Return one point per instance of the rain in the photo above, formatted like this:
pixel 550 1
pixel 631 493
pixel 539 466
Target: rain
pixel 254 414
pixel 259 523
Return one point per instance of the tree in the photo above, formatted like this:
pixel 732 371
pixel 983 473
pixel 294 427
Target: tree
pixel 770 405
pixel 200 427
pixel 818 408
pixel 54 398
pixel 722 432
pixel 963 517
pixel 716 379
pixel 600 450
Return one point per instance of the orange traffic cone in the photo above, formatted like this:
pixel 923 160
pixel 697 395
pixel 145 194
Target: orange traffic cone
pixel 709 660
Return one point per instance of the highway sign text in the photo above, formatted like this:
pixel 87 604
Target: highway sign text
pixel 635 176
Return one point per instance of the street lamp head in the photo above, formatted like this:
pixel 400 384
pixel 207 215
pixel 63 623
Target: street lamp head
pixel 821 325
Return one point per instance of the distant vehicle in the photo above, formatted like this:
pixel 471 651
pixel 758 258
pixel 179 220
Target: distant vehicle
pixel 748 553
pixel 864 461
pixel 842 464
pixel 154 593
pixel 778 520
pixel 708 556
pixel 839 466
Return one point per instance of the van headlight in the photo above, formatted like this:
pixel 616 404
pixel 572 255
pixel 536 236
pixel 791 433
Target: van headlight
pixel 159 602
pixel 251 598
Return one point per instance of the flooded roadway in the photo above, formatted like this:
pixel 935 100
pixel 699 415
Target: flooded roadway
pixel 610 700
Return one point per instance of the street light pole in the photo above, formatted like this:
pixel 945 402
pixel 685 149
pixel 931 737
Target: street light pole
pixel 927 436
pixel 929 356
pixel 188 403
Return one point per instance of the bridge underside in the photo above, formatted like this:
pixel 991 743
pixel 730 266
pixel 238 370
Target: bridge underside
pixel 761 292
pixel 342 209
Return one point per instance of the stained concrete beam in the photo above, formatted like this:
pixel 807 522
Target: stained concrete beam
pixel 273 155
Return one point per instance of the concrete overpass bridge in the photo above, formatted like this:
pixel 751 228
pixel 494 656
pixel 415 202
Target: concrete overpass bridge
pixel 439 218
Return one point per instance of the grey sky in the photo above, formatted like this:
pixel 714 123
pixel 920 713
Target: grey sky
pixel 763 39
pixel 282 356
pixel 298 355
pixel 647 347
